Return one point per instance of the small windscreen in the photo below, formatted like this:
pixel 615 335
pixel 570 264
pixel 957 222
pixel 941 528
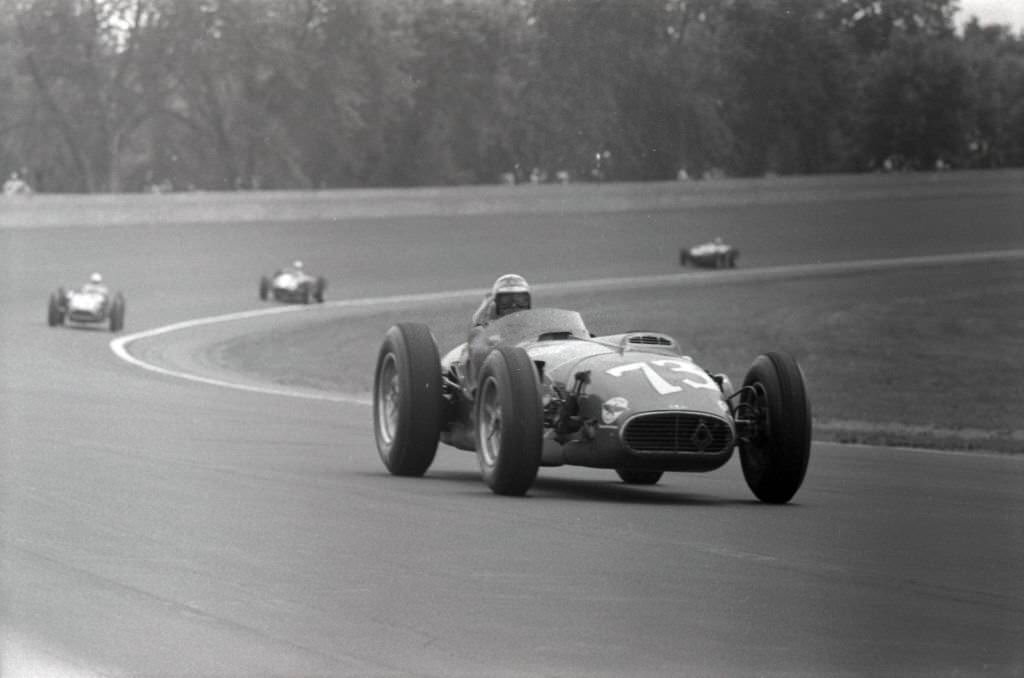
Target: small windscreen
pixel 528 325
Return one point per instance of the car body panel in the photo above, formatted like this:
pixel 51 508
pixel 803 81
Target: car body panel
pixel 710 255
pixel 291 286
pixel 635 386
pixel 87 307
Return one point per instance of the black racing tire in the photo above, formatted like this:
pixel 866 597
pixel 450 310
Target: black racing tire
pixel 264 288
pixel 508 421
pixel 54 312
pixel 318 292
pixel 684 257
pixel 117 314
pixel 775 456
pixel 638 476
pixel 407 401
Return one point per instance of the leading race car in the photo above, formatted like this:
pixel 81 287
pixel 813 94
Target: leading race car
pixel 714 254
pixel 535 388
pixel 293 285
pixel 89 305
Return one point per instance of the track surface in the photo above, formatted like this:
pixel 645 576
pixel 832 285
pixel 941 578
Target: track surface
pixel 156 527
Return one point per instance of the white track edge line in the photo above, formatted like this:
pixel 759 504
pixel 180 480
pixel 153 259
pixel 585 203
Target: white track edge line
pixel 119 345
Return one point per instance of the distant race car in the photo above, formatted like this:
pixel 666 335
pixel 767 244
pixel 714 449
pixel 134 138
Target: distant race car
pixel 714 254
pixel 535 388
pixel 293 285
pixel 86 306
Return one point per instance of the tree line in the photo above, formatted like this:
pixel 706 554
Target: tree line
pixel 129 95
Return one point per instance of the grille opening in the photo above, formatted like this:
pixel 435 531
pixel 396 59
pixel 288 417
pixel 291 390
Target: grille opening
pixel 649 340
pixel 677 432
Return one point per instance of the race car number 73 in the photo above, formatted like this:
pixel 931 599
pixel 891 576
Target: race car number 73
pixel 662 385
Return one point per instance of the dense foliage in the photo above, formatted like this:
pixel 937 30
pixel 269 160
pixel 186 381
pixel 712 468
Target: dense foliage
pixel 128 95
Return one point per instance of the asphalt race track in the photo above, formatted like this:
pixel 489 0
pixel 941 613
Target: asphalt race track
pixel 155 526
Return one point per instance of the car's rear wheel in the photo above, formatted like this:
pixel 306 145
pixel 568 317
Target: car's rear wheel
pixel 509 421
pixel 638 477
pixel 407 402
pixel 775 447
pixel 54 311
pixel 318 293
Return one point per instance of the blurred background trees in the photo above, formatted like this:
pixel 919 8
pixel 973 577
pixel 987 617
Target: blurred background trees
pixel 131 95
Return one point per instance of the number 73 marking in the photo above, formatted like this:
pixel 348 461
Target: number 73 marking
pixel 659 383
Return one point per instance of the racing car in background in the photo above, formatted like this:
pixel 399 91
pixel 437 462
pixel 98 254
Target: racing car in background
pixel 293 285
pixel 86 306
pixel 714 254
pixel 535 388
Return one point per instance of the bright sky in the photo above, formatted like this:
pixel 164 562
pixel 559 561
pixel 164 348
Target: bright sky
pixel 993 12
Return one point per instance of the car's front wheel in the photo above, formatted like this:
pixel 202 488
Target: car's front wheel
pixel 407 401
pixel 775 446
pixel 264 288
pixel 509 421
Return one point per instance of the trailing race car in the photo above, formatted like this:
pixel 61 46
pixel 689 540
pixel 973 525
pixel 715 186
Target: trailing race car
pixel 714 254
pixel 535 388
pixel 91 304
pixel 293 285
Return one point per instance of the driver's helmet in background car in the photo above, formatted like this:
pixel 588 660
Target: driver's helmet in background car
pixel 95 284
pixel 511 293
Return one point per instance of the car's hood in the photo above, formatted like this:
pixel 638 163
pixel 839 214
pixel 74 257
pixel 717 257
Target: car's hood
pixel 89 302
pixel 288 281
pixel 708 248
pixel 637 380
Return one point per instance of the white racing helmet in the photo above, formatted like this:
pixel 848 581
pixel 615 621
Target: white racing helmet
pixel 95 278
pixel 511 293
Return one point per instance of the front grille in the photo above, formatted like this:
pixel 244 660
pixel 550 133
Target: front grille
pixel 677 432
